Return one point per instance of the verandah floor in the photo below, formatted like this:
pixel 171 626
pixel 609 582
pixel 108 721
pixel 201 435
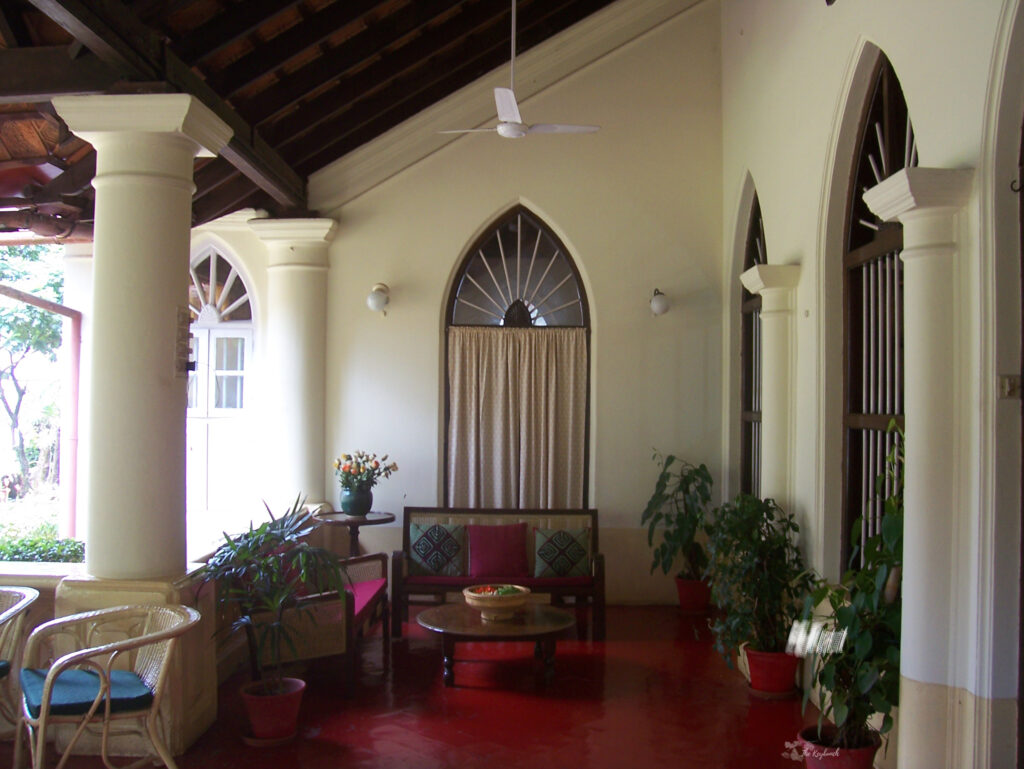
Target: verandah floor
pixel 654 694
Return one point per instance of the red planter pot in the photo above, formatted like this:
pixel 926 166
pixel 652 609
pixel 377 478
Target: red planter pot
pixel 822 757
pixel 772 674
pixel 694 594
pixel 273 717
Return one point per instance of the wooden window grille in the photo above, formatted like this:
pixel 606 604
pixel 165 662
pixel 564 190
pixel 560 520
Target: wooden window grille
pixel 750 360
pixel 873 309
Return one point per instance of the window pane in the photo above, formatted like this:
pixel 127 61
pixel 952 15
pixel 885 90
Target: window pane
pixel 230 354
pixel 228 392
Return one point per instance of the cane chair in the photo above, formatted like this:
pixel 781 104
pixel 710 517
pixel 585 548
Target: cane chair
pixel 14 605
pixel 99 670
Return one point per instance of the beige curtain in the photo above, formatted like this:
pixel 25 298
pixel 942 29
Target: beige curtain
pixel 517 416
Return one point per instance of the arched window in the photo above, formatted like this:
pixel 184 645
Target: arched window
pixel 873 306
pixel 518 372
pixel 517 275
pixel 221 352
pixel 750 360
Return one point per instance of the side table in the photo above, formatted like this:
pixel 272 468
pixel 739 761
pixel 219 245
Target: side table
pixel 353 523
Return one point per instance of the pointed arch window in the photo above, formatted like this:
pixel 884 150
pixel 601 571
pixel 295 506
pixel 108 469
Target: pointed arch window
pixel 873 307
pixel 750 363
pixel 518 376
pixel 518 275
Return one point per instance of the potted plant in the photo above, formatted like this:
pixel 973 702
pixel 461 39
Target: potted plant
pixel 263 577
pixel 678 508
pixel 358 473
pixel 858 640
pixel 759 582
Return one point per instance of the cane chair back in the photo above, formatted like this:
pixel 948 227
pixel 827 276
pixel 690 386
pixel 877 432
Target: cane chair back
pixel 14 606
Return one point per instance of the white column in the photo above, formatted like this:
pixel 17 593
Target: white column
pixel 296 324
pixel 775 283
pixel 926 201
pixel 145 145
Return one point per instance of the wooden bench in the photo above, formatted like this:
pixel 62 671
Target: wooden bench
pixel 420 575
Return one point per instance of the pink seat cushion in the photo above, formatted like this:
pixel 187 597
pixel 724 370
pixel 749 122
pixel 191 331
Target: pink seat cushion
pixel 496 551
pixel 366 594
pixel 534 583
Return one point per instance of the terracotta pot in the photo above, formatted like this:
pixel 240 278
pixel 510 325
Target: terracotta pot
pixel 273 717
pixel 822 757
pixel 694 594
pixel 772 674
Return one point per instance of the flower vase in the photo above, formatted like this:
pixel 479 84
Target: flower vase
pixel 356 502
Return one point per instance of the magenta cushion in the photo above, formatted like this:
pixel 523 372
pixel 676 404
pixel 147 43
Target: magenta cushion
pixel 365 594
pixel 497 551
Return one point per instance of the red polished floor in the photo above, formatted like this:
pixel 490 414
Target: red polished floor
pixel 655 694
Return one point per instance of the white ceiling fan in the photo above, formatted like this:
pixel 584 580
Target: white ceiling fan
pixel 510 122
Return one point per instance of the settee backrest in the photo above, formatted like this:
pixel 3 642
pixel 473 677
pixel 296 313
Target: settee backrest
pixel 534 519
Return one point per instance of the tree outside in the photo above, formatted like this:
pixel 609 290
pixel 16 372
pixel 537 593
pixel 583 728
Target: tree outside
pixel 30 382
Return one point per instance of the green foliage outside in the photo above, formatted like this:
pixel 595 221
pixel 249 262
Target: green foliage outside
pixel 42 546
pixel 27 331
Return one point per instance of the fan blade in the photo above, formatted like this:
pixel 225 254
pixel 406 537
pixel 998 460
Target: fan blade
pixel 505 101
pixel 468 131
pixel 556 128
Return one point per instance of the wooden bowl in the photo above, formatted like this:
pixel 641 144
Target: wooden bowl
pixel 494 606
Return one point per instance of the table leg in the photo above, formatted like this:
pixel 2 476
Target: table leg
pixel 448 649
pixel 353 541
pixel 549 658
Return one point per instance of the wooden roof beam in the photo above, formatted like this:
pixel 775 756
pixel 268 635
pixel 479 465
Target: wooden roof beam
pixel 120 39
pixel 39 74
pixel 228 27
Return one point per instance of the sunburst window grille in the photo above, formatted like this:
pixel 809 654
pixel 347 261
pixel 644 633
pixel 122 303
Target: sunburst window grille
pixel 518 275
pixel 873 309
pixel 216 292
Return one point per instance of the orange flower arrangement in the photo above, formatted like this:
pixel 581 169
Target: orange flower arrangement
pixel 361 470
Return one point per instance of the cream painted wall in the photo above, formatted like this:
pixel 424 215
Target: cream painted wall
pixel 637 204
pixel 788 69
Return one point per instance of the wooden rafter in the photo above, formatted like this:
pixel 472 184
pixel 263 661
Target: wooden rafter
pixel 224 29
pixel 39 74
pixel 121 40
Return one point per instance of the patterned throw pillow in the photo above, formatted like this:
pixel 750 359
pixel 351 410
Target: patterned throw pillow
pixel 437 550
pixel 562 553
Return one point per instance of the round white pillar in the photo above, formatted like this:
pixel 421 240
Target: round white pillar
pixel 296 333
pixel 776 284
pixel 145 147
pixel 926 201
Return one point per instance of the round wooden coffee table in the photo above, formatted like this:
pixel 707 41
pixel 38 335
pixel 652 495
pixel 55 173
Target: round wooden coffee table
pixel 535 622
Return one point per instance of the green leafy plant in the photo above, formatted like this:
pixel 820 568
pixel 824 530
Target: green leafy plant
pixel 42 548
pixel 678 509
pixel 758 577
pixel 266 571
pixel 861 676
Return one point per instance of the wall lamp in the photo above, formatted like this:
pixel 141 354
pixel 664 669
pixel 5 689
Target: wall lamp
pixel 379 297
pixel 659 303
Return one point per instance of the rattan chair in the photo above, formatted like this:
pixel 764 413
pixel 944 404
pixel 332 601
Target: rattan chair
pixel 96 670
pixel 14 605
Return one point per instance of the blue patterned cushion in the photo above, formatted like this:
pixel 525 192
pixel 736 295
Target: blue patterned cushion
pixel 74 691
pixel 437 550
pixel 562 553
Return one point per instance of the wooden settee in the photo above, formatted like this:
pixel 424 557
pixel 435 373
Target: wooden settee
pixel 560 558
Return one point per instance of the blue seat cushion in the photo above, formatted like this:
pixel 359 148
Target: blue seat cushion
pixel 5 668
pixel 74 691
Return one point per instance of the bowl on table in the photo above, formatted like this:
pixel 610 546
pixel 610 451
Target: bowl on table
pixel 496 602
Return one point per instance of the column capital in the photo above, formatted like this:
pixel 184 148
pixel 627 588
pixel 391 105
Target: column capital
pixel 170 113
pixel 918 189
pixel 769 277
pixel 294 231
